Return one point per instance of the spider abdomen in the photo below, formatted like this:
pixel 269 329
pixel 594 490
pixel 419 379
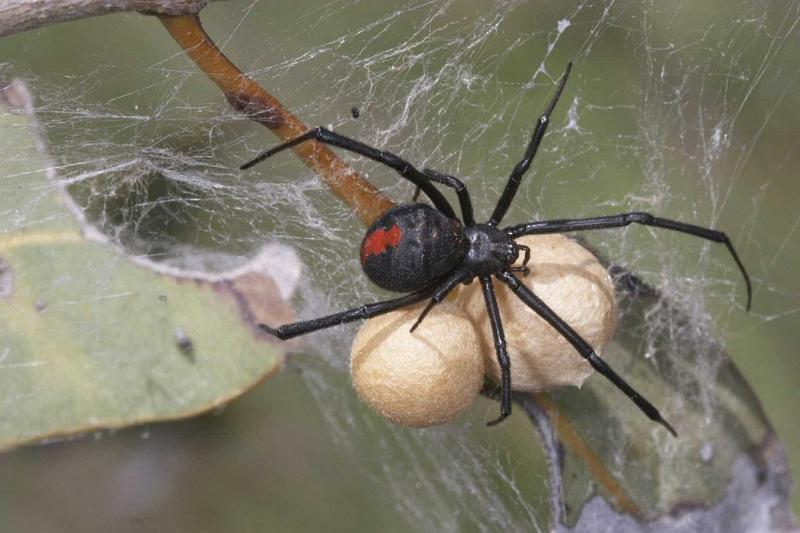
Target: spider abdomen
pixel 411 246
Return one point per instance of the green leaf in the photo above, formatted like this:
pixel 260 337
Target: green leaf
pixel 91 338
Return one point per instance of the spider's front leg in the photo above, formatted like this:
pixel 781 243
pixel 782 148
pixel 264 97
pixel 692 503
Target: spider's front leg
pixel 515 179
pixel 626 219
pixel 500 349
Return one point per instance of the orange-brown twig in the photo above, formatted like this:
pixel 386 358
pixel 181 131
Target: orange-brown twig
pixel 250 98
pixel 570 436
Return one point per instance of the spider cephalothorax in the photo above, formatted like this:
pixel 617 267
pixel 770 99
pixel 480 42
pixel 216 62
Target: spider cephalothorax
pixel 427 252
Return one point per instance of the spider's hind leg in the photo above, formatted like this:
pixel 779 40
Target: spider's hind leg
pixel 440 292
pixel 295 329
pixel 401 166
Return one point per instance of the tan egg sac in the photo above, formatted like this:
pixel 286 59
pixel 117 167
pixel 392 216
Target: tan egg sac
pixel 422 379
pixel 576 286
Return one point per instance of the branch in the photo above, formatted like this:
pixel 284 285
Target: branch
pixel 248 97
pixel 22 15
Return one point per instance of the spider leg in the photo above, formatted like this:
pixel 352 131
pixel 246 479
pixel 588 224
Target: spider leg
pixel 515 178
pixel 583 347
pixel 500 349
pixel 404 168
pixel 625 219
pixel 287 331
pixel 464 200
pixel 440 293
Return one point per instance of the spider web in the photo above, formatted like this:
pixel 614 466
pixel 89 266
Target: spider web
pixel 680 109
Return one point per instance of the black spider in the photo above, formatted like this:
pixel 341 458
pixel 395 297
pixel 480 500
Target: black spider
pixel 428 252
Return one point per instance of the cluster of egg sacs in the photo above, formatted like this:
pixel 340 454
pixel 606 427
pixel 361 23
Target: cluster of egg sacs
pixel 430 376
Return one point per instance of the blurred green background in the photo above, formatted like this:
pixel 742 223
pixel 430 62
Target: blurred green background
pixel 651 84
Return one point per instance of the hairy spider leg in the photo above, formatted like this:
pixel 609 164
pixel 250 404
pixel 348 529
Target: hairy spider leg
pixel 515 178
pixel 403 167
pixel 625 219
pixel 464 200
pixel 500 349
pixel 287 331
pixel 587 352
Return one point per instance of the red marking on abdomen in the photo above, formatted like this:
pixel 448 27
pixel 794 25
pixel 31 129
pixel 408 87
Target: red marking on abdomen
pixel 377 241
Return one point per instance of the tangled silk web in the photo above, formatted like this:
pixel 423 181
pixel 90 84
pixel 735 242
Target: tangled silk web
pixel 652 120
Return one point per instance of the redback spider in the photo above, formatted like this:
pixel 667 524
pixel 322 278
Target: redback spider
pixel 427 251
